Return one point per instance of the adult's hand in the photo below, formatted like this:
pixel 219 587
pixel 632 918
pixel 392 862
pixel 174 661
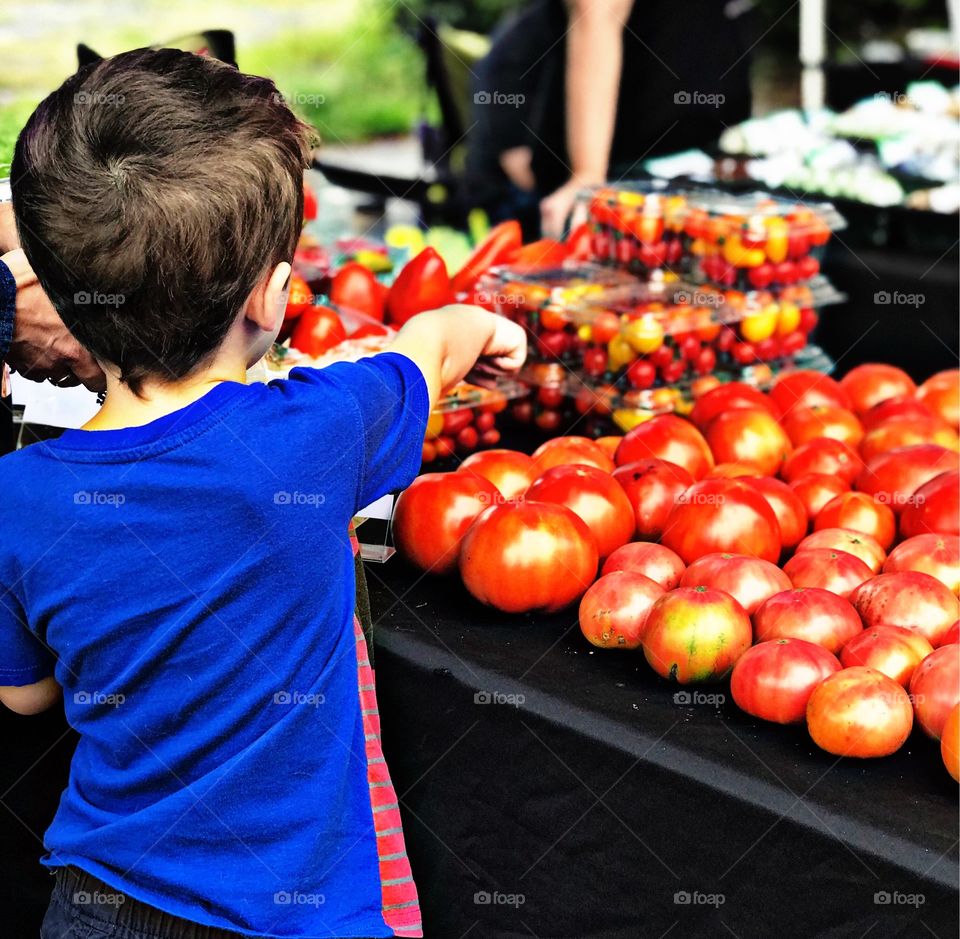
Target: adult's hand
pixel 42 347
pixel 556 208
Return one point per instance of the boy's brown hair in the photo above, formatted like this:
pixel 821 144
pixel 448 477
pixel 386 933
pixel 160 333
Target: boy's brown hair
pixel 152 191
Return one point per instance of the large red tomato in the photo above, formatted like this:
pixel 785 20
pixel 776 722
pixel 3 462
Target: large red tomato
pixel 509 470
pixel 907 432
pixel 530 556
pixel 859 512
pixel 568 451
pixel 808 613
pixel 317 330
pixel 950 744
pixel 893 650
pixel 717 515
pixel 822 455
pixel 727 397
pixel 669 438
pixel 934 507
pixel 935 689
pixel 655 561
pixel 837 571
pixel 859 712
pixel 806 388
pixel 790 511
pixel 652 486
pixel 941 393
pixel 434 513
pixel 594 496
pixel 907 598
pixel 857 543
pixel 614 610
pixel 815 490
pixel 734 470
pixel 748 580
pixel 774 680
pixel 749 435
pixel 695 634
pixel 893 477
pixel 870 384
pixel 951 635
pixel 823 421
pixel 895 409
pixel 937 555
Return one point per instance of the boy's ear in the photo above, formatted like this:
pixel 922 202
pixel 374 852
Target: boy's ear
pixel 267 303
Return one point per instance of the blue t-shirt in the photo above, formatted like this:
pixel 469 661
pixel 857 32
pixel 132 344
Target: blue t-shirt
pixel 190 584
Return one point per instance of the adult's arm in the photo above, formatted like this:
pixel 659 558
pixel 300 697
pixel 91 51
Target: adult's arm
pixel 594 63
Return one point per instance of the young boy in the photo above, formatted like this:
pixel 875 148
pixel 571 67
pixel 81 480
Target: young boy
pixel 181 566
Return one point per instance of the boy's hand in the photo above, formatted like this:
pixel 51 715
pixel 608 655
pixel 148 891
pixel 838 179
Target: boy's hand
pixel 507 348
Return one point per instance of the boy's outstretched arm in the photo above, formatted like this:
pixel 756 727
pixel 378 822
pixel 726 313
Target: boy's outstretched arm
pixel 31 699
pixel 446 343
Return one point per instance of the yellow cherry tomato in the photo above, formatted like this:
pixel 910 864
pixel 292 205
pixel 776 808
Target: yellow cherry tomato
pixel 585 333
pixel 434 425
pixel 752 257
pixel 777 234
pixel 626 419
pixel 733 251
pixel 644 335
pixel 759 326
pixel 619 353
pixel 789 318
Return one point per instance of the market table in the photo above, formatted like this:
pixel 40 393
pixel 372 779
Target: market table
pixel 553 791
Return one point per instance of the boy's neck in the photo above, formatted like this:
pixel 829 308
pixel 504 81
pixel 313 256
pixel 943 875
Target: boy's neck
pixel 123 408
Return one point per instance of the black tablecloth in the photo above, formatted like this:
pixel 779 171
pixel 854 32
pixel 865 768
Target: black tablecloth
pixel 549 790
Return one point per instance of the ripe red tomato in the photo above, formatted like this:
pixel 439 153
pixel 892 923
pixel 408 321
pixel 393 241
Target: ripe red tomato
pixel 733 471
pixel 950 744
pixel 859 712
pixel 317 330
pixel 936 555
pixel 805 424
pixel 893 650
pixel 750 435
pixel 815 490
pixel 593 495
pixel 859 512
pixel 893 477
pixel 857 543
pixel 355 287
pixel 806 388
pixel 907 432
pixel 941 393
pixel 655 561
pixel 567 451
pixel 822 455
pixel 786 505
pixel 895 409
pixel 669 438
pixel 653 487
pixel 299 297
pixel 530 556
pixel 510 471
pixel 837 571
pixel 717 515
pixel 695 634
pixel 614 610
pixel 952 635
pixel 933 507
pixel 422 284
pixel 723 398
pixel 609 443
pixel 935 689
pixel 748 580
pixel 873 383
pixel 911 599
pixel 774 680
pixel 433 514
pixel 809 613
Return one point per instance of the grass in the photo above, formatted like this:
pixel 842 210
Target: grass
pixel 346 68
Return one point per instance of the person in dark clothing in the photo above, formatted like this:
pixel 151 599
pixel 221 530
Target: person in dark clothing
pixel 575 92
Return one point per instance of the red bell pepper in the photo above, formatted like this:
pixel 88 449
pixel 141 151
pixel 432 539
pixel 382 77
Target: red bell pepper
pixel 547 252
pixel 500 246
pixel 580 243
pixel 423 284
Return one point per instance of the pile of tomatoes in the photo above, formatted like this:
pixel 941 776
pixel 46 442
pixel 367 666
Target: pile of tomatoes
pixel 805 543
